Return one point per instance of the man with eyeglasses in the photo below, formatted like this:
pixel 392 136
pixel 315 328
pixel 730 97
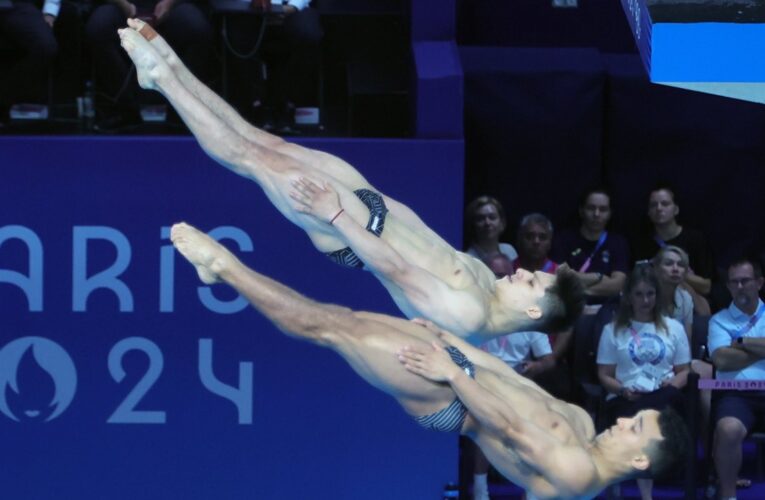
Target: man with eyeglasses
pixel 737 345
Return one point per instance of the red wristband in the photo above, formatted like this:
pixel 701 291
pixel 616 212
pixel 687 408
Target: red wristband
pixel 336 216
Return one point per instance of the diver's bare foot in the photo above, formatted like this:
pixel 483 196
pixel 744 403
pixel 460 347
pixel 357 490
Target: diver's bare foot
pixel 208 256
pixel 150 66
pixel 156 41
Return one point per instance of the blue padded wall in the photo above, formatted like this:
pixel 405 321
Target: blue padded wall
pixel 301 425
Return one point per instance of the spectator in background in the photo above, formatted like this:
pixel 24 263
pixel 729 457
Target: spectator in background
pixel 37 30
pixel 528 353
pixel 643 355
pixel 183 23
pixel 485 223
pixel 663 212
pixel 599 257
pixel 678 299
pixel 535 234
pixel 288 44
pixel 737 346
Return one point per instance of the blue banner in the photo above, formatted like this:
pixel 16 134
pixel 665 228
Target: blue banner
pixel 124 377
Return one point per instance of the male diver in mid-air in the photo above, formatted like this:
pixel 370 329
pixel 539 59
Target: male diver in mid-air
pixel 543 444
pixel 352 222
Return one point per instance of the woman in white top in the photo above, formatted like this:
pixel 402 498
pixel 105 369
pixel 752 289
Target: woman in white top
pixel 671 265
pixel 643 355
pixel 681 301
pixel 484 223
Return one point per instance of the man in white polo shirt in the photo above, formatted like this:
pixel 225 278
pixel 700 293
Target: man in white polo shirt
pixel 528 353
pixel 737 344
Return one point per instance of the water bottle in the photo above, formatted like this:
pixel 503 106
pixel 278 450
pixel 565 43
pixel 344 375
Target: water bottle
pixel 87 106
pixel 451 492
pixel 702 352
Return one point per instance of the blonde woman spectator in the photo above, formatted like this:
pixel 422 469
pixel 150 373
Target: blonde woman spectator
pixel 643 355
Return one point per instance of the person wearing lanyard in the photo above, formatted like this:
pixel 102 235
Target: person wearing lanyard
pixel 534 240
pixel 643 356
pixel 535 234
pixel 599 257
pixel 737 345
pixel 528 353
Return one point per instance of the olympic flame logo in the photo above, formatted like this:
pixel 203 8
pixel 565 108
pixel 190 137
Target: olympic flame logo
pixel 38 379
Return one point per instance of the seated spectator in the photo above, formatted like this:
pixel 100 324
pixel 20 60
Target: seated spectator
pixel 643 355
pixel 37 29
pixel 677 298
pixel 535 234
pixel 737 346
pixel 600 257
pixel 183 23
pixel 663 212
pixel 500 265
pixel 289 46
pixel 485 223
pixel 530 354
